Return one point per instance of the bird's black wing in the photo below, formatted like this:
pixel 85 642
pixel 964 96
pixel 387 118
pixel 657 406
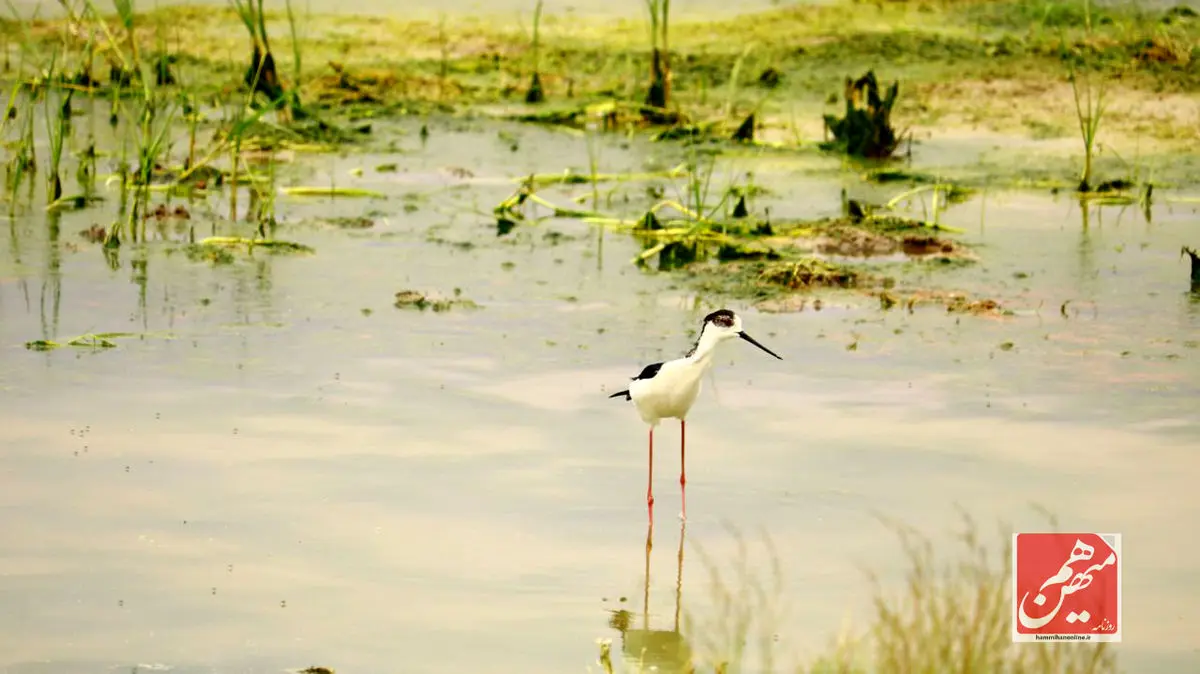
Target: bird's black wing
pixel 647 372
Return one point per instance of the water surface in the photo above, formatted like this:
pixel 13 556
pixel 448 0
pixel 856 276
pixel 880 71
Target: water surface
pixel 302 474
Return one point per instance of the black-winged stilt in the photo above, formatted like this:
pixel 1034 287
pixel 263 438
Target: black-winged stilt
pixel 667 390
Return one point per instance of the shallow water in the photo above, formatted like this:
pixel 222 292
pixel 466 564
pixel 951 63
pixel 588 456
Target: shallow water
pixel 285 479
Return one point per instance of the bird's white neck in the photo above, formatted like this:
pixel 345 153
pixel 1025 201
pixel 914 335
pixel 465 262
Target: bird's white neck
pixel 705 348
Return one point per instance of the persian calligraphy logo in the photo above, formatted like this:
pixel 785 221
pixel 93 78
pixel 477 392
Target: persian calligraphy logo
pixel 1066 587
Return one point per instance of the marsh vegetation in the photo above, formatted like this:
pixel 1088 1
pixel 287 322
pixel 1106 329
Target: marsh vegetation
pixel 164 91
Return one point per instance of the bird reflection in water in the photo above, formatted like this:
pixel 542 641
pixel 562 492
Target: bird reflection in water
pixel 647 649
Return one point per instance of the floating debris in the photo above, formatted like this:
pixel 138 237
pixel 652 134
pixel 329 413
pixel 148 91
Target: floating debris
pixel 961 305
pixel 350 222
pixel 94 234
pixel 922 245
pixel 214 254
pixel 162 213
pixel 412 299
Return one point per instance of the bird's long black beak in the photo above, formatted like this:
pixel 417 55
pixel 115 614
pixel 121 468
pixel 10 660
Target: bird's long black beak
pixel 750 339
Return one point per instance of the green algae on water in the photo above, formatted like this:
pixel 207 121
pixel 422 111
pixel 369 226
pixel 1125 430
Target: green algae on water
pixel 99 340
pixel 273 245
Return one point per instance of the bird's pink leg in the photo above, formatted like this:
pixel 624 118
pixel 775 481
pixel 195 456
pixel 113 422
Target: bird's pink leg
pixel 650 478
pixel 682 449
pixel 682 464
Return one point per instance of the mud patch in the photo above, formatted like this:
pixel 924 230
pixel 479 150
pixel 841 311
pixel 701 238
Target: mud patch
pixel 867 236
pixel 771 280
pixel 853 241
pixel 810 273
pixel 342 87
pixel 784 286
pixel 954 301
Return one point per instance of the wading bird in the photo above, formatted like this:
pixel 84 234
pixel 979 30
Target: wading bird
pixel 667 390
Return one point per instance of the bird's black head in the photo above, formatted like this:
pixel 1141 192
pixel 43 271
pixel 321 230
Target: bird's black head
pixel 722 318
pixel 726 325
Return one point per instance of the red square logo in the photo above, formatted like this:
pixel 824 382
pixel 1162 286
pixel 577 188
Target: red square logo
pixel 1066 587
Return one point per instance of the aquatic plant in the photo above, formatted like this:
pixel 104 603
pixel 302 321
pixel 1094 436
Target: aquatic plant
pixel 955 616
pixel 297 37
pixel 123 72
pixel 702 221
pixel 332 191
pixel 659 94
pixel 951 613
pixel 193 117
pixel 23 160
pixel 261 75
pixel 234 147
pixel 593 152
pixel 58 130
pixel 99 340
pixel 535 94
pixel 677 230
pixel 155 117
pixel 444 53
pixel 745 131
pixel 865 130
pixel 933 213
pixel 1089 111
pixel 262 199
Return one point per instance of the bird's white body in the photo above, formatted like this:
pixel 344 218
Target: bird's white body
pixel 667 390
pixel 671 393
